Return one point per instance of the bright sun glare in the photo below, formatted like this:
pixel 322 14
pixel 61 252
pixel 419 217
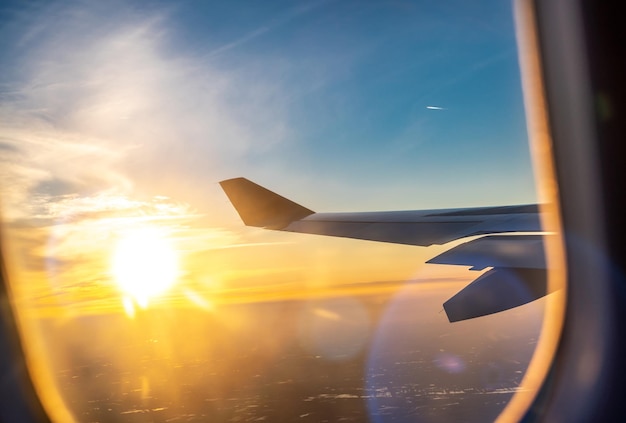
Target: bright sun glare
pixel 144 264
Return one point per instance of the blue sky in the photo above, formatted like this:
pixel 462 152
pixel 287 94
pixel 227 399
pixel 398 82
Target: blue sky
pixel 359 76
pixel 325 100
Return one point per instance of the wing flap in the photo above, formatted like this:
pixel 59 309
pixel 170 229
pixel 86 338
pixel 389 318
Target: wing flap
pixel 495 291
pixel 515 251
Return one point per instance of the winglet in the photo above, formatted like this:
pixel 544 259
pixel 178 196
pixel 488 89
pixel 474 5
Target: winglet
pixel 258 206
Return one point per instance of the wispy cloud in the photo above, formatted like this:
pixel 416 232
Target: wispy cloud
pixel 114 106
pixel 268 27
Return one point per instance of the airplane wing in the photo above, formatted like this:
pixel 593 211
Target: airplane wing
pixel 518 269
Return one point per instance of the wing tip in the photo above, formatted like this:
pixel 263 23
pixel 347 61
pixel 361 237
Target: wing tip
pixel 260 207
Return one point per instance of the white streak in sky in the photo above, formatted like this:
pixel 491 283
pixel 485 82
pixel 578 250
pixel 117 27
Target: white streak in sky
pixel 435 108
pixel 266 28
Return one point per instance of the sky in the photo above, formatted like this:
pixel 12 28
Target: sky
pixel 124 114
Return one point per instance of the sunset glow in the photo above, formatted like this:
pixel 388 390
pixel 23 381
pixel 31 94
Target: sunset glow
pixel 144 264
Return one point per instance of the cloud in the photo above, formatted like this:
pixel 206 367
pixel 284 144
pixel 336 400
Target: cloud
pixel 104 100
pixel 268 27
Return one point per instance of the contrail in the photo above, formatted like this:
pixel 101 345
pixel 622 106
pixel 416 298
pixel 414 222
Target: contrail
pixel 435 108
pixel 269 27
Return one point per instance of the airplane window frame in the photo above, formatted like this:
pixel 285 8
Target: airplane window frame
pixel 579 45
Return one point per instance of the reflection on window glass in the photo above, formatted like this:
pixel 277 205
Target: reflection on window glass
pixel 146 291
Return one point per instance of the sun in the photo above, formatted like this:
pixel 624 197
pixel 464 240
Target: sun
pixel 144 264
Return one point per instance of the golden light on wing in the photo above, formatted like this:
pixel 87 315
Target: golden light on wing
pixel 144 265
